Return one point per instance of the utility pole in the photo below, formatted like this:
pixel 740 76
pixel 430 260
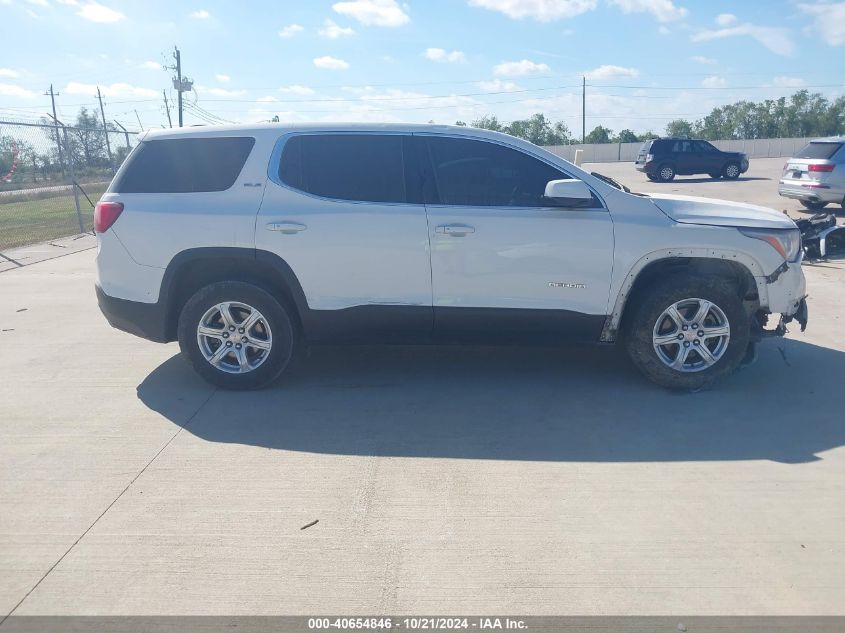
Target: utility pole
pixel 125 134
pixel 178 56
pixel 74 184
pixel 584 110
pixel 167 107
pixel 141 125
pixel 105 129
pixel 56 128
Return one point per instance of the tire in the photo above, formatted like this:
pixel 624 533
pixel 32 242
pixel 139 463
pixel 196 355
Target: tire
pixel 813 206
pixel 731 171
pixel 665 173
pixel 715 176
pixel 648 320
pixel 267 347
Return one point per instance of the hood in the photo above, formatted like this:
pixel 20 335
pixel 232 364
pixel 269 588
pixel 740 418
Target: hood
pixel 695 210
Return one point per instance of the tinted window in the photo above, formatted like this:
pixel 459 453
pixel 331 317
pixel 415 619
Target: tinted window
pixel 364 167
pixel 185 165
pixel 645 147
pixel 819 150
pixel 704 147
pixel 478 173
pixel 682 146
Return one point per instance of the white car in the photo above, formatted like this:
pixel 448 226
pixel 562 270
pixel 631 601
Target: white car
pixel 247 243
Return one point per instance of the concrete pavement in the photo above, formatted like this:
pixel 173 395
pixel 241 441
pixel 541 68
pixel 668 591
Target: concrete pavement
pixel 445 480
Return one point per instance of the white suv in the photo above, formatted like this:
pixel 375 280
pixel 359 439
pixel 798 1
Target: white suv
pixel 246 243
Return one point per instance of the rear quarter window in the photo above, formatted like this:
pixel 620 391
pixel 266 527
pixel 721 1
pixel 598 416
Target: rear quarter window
pixel 819 150
pixel 185 165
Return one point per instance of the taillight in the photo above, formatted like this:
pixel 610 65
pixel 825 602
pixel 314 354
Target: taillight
pixel 820 167
pixel 105 214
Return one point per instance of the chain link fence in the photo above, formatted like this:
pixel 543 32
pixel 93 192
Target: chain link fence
pixel 52 175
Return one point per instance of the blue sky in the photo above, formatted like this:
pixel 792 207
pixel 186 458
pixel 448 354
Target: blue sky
pixel 646 61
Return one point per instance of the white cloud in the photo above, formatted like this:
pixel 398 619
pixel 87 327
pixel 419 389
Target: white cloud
pixel 726 19
pixel 39 3
pixel 11 90
pixel 222 78
pixel 8 72
pixel 95 12
pixel 663 10
pixel 829 20
pixel 498 85
pixel 714 82
pixel 150 65
pixel 540 10
pixel 330 63
pixel 373 12
pixel 295 89
pixel 332 30
pixel 777 40
pixel 788 82
pixel 221 92
pixel 440 55
pixel 522 67
pixel 701 59
pixel 609 71
pixel 202 14
pixel 113 90
pixel 267 99
pixel 290 30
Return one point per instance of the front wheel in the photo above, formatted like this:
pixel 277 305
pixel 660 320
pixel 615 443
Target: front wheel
pixel 813 205
pixel 236 335
pixel 686 333
pixel 731 171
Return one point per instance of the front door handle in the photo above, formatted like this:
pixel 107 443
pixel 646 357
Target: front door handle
pixel 288 228
pixel 455 230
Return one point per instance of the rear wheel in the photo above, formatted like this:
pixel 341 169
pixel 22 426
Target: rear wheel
pixel 686 333
pixel 236 335
pixel 813 205
pixel 731 171
pixel 666 173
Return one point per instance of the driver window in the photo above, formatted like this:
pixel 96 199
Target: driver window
pixel 477 173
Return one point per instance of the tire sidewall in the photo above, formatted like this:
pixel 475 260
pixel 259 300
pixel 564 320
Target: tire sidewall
pixel 639 328
pixel 281 325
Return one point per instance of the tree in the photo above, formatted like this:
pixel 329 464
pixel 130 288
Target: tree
pixel 488 123
pixel 600 134
pixel 539 130
pixel 679 127
pixel 626 136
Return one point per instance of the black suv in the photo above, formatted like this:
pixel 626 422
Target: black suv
pixel 662 158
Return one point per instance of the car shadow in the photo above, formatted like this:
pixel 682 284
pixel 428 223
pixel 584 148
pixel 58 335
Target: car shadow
pixel 581 404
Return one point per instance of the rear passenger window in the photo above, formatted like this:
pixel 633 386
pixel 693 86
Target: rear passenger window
pixel 185 165
pixel 361 167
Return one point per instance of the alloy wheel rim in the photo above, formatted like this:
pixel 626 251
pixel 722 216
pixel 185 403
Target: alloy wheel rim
pixel 234 337
pixel 733 171
pixel 691 335
pixel 666 173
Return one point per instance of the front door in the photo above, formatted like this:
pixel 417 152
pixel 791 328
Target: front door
pixel 504 261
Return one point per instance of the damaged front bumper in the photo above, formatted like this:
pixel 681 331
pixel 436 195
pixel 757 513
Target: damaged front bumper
pixel 785 294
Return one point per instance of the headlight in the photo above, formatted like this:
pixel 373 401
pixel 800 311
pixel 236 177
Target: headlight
pixel 787 242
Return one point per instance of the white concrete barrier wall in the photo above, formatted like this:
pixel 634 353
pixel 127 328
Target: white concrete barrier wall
pixel 627 152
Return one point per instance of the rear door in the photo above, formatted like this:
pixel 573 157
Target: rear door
pixel 345 212
pixel 682 155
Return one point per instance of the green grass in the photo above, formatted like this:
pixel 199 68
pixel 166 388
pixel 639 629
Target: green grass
pixel 31 221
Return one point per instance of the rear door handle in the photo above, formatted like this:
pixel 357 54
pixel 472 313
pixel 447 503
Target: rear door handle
pixel 456 230
pixel 288 228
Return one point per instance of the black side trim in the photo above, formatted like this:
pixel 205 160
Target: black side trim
pixel 146 320
pixel 497 326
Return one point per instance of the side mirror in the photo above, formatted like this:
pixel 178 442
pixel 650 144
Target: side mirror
pixel 569 192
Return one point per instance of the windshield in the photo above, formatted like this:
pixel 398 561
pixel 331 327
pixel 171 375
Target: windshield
pixel 819 150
